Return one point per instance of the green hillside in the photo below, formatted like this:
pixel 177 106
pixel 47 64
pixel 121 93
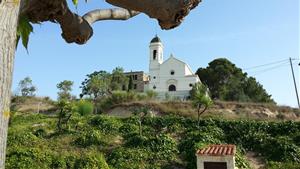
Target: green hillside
pixel 101 141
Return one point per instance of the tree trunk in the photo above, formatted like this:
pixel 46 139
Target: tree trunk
pixel 9 11
pixel 198 119
pixel 140 127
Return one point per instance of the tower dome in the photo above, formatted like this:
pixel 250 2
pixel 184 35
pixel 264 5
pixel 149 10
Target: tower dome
pixel 155 39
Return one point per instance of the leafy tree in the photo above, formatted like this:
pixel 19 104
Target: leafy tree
pixel 118 79
pixel 130 83
pixel 228 82
pixel 75 28
pixel 102 83
pixel 65 88
pixel 217 74
pixel 256 92
pixel 200 99
pixel 141 113
pixel 26 87
pixel 66 110
pixel 96 86
pixel 233 91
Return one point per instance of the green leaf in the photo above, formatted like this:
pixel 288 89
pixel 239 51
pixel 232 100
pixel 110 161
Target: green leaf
pixel 24 29
pixel 75 2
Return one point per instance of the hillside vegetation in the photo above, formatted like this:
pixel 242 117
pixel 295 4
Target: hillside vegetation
pixel 101 141
pixel 167 137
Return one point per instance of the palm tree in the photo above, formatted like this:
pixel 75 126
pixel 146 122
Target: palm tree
pixel 200 99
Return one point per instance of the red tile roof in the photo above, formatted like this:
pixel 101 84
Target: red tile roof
pixel 217 150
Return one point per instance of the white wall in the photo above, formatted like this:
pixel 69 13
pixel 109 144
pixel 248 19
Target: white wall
pixel 179 79
pixel 229 159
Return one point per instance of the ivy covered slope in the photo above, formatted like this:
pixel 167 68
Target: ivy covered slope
pixel 98 141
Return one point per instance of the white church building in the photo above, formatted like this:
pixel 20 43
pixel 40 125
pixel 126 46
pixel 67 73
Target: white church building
pixel 171 77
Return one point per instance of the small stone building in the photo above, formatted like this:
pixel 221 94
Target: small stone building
pixel 216 157
pixel 139 80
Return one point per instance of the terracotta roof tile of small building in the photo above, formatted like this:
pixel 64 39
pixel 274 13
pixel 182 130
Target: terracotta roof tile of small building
pixel 218 150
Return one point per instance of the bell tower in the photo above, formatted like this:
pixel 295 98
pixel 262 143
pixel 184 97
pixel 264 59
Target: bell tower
pixel 156 53
pixel 155 60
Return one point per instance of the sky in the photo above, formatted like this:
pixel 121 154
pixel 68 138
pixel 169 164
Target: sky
pixel 248 33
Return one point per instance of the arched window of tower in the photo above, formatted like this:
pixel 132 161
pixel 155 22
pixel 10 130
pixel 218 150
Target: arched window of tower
pixel 154 54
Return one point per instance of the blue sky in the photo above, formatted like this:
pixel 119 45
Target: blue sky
pixel 248 33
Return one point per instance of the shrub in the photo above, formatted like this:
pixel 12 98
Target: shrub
pixel 279 165
pixel 283 128
pixel 135 140
pixel 151 94
pixel 24 158
pixel 296 138
pixel 118 97
pixel 21 139
pixel 89 138
pixel 85 107
pixel 106 124
pixel 128 128
pixel 160 123
pixel 141 96
pixel 91 161
pixel 58 162
pixel 40 132
pixel 126 158
pixel 241 161
pixel 285 150
pixel 163 146
pixel 28 118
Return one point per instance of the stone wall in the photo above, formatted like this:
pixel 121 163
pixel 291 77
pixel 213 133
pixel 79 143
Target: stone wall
pixel 139 80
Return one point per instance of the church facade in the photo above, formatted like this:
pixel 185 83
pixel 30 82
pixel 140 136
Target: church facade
pixel 171 77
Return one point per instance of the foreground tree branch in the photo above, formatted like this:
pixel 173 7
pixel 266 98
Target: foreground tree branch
pixel 169 13
pixel 109 14
pixel 78 29
pixel 75 28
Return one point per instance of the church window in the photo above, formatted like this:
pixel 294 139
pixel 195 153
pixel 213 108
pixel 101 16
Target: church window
pixel 172 72
pixel 154 54
pixel 134 86
pixel 191 85
pixel 172 88
pixel 135 77
pixel 154 77
pixel 154 87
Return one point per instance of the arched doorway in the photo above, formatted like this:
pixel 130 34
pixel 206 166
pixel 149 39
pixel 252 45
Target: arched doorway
pixel 172 88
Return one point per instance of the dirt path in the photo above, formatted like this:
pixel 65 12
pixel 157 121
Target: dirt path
pixel 255 161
